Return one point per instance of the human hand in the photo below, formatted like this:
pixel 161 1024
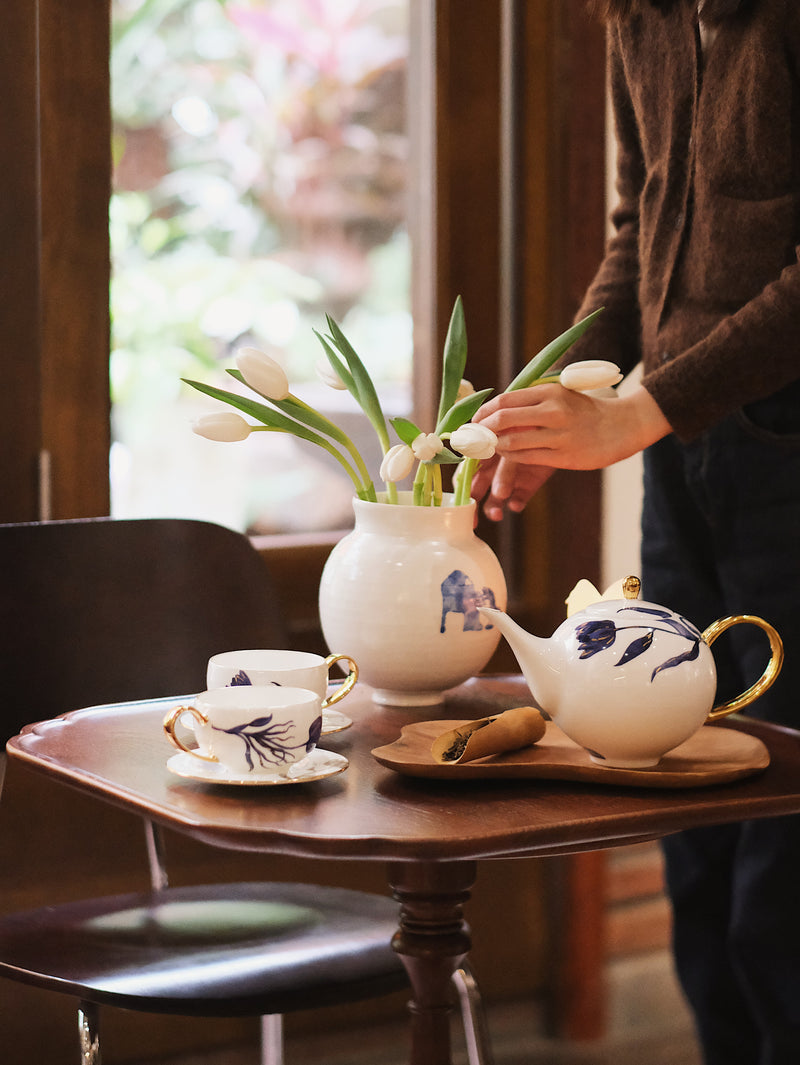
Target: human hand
pixel 549 425
pixel 509 485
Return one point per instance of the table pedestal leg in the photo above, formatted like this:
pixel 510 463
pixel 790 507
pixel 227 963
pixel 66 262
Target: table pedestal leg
pixel 432 941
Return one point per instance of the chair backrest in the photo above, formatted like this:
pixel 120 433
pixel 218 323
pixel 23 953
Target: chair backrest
pixel 103 610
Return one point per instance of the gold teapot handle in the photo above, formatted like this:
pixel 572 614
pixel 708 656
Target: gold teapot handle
pixel 766 679
pixel 349 680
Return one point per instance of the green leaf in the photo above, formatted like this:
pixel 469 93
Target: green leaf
pixel 276 421
pixel 365 390
pixel 406 430
pixel 455 358
pixel 444 458
pixel 294 408
pixel 338 366
pixel 462 411
pixel 541 363
pixel 262 413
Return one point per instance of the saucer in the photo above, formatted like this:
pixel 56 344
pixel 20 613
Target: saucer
pixel 315 766
pixel 334 721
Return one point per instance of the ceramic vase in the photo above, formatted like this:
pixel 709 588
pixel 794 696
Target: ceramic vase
pixel 401 594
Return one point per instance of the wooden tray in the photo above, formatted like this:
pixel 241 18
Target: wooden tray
pixel 712 756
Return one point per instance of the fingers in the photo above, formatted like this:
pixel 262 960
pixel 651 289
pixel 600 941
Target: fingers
pixel 482 480
pixel 512 487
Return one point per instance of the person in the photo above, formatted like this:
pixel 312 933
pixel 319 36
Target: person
pixel 700 284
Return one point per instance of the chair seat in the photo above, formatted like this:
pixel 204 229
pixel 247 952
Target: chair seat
pixel 214 950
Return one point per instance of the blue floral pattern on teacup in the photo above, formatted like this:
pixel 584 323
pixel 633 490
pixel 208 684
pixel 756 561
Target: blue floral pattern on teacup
pixel 267 743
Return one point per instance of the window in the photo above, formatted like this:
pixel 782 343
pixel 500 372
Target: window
pixel 260 173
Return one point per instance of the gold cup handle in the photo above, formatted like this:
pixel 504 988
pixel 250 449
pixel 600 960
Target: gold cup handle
pixel 170 723
pixel 769 675
pixel 349 680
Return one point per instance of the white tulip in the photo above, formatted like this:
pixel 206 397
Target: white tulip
pixel 464 389
pixel 262 373
pixel 397 463
pixel 426 446
pixel 590 375
pixel 224 426
pixel 328 376
pixel 474 441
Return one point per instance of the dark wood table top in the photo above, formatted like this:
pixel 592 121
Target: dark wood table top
pixel 119 753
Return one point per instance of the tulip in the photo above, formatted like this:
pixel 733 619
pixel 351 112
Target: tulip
pixel 590 375
pixel 464 389
pixel 262 373
pixel 328 376
pixel 474 441
pixel 225 427
pixel 426 446
pixel 397 463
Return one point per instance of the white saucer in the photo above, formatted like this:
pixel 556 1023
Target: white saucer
pixel 334 721
pixel 315 766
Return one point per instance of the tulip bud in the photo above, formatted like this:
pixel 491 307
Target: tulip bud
pixel 474 441
pixel 262 373
pixel 464 389
pixel 224 426
pixel 426 446
pixel 590 375
pixel 328 376
pixel 397 463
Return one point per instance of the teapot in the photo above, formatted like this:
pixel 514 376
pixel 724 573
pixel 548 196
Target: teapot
pixel 629 680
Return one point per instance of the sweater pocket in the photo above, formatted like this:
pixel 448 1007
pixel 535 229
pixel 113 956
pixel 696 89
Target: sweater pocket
pixel 736 247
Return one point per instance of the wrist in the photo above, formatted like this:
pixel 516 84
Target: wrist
pixel 647 420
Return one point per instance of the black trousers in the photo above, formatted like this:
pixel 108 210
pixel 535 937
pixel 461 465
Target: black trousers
pixel 721 535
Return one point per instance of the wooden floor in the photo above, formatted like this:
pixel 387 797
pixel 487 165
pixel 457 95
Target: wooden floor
pixel 648 1024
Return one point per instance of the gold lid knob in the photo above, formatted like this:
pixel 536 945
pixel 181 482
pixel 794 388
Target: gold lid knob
pixel 631 587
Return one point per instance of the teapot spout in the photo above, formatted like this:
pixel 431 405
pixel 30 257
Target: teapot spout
pixel 532 653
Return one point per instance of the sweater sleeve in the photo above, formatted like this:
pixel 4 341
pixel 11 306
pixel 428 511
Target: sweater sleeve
pixel 755 351
pixel 615 334
pixel 750 353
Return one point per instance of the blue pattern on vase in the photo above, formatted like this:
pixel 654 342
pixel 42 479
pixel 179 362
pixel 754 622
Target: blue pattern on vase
pixel 597 636
pixel 268 743
pixel 460 596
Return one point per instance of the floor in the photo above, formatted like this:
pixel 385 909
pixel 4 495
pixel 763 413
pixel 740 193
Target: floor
pixel 648 1024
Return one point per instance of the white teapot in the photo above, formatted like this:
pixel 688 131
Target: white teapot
pixel 629 680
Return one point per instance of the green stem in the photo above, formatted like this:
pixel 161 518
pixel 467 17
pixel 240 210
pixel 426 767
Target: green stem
pixel 333 430
pixel 364 489
pixel 419 484
pixel 464 475
pixel 437 485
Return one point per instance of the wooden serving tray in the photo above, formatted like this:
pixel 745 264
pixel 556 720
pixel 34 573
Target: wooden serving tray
pixel 712 756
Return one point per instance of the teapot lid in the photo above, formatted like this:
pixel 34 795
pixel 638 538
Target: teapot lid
pixel 585 593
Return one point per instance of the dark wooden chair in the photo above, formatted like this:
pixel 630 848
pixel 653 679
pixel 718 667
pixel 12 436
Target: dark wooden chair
pixel 101 611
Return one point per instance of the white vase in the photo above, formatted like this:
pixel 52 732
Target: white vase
pixel 400 595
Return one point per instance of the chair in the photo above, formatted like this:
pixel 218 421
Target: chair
pixel 97 611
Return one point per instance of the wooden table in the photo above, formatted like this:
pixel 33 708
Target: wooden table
pixel 430 833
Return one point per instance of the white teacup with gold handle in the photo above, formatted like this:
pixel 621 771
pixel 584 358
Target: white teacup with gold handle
pixel 251 731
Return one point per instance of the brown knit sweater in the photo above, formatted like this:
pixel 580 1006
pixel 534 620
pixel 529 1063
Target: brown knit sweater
pixel 701 280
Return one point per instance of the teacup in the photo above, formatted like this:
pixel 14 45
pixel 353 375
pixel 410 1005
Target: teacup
pixel 251 730
pixel 297 669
